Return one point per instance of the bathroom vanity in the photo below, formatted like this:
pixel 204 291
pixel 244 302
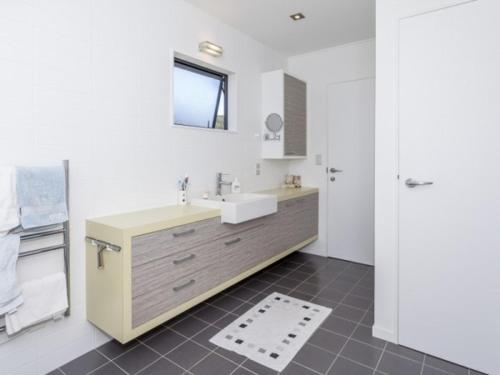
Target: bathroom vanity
pixel 167 260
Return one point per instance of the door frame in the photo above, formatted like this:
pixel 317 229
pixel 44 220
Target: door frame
pixel 329 152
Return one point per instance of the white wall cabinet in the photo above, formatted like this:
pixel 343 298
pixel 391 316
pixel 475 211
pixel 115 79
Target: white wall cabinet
pixel 287 96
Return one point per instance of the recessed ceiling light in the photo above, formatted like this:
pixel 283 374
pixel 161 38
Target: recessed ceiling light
pixel 297 16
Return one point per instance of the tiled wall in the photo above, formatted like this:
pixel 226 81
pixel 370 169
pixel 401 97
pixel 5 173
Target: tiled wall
pixel 89 81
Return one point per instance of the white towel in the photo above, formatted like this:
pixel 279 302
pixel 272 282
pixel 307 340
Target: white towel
pixel 10 294
pixel 44 299
pixel 9 212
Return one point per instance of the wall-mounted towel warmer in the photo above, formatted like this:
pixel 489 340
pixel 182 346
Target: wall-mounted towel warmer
pixel 62 229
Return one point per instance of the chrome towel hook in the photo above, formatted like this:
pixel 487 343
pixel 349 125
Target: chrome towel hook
pixel 101 246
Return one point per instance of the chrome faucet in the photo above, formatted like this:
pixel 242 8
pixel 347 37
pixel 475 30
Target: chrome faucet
pixel 220 182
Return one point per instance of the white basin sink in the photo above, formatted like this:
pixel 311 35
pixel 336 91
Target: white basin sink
pixel 237 208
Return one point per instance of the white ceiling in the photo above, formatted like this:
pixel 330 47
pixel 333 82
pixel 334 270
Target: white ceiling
pixel 328 22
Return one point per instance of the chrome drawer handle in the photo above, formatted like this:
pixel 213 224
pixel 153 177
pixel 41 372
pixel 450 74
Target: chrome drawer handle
pixel 232 242
pixel 185 233
pixel 182 260
pixel 180 287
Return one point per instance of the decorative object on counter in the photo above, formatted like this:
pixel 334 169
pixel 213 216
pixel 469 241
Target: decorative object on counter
pixel 292 181
pixel 182 191
pixel 297 181
pixel 274 123
pixel 235 186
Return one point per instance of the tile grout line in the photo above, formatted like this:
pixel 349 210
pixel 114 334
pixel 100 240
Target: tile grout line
pixel 380 359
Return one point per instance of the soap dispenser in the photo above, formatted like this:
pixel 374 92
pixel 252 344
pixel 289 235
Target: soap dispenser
pixel 235 186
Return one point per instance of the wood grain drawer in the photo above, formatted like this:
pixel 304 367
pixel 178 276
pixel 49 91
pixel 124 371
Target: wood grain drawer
pixel 156 245
pixel 146 307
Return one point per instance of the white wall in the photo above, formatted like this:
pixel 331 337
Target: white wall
pixel 89 81
pixel 321 69
pixel 389 12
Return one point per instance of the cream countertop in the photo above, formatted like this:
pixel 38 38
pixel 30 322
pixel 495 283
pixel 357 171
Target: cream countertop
pixel 150 220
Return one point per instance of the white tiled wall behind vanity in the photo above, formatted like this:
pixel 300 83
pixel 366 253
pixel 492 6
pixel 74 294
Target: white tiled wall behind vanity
pixel 89 81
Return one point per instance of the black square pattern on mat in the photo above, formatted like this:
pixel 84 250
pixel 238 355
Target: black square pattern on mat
pixel 342 346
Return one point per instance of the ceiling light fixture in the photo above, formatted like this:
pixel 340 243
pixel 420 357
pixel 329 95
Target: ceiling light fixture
pixel 297 16
pixel 211 48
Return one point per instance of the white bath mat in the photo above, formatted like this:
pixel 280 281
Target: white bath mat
pixel 273 331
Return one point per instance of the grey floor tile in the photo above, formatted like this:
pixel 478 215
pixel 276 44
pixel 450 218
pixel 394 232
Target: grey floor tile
pixel 308 288
pixel 136 359
pixel 225 320
pixel 187 354
pixel 210 314
pixel 256 285
pixel 441 364
pixel 339 325
pixel 364 334
pixel 113 348
pixel 213 365
pixel 276 288
pixel 343 366
pixel 368 319
pixel 355 301
pixel 395 365
pixel 258 298
pixel 310 269
pixel 328 340
pixel 242 371
pixel 189 327
pixel 331 294
pixel 203 338
pixel 162 367
pixel 85 363
pixel 362 353
pixel 299 295
pixel 348 312
pixel 242 309
pixel 269 277
pixel 227 303
pixel 109 369
pixel 314 358
pixel 297 275
pixel 432 371
pixel 288 283
pixel 296 369
pixel 404 352
pixel 324 302
pixel 232 356
pixel 165 341
pixel 244 293
pixel 281 271
pixel 258 368
pixel 361 291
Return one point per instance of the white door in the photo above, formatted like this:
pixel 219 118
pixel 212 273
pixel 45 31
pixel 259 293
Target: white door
pixel 351 132
pixel 449 232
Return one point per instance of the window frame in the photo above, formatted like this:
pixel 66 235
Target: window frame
pixel 223 88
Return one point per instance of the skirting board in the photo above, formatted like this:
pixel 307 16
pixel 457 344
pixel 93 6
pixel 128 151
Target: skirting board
pixel 384 334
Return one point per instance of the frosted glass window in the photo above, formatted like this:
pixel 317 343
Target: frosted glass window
pixel 200 96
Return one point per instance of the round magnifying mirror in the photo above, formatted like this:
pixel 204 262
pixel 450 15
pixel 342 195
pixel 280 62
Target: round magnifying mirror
pixel 274 122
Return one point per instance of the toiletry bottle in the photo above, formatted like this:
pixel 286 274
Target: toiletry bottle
pixel 235 186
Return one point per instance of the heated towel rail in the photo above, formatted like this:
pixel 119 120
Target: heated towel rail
pixel 61 229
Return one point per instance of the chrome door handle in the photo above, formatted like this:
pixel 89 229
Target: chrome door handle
pixel 411 183
pixel 335 170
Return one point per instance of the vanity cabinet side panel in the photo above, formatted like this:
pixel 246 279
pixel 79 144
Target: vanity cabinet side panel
pixel 295 109
pixel 105 287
